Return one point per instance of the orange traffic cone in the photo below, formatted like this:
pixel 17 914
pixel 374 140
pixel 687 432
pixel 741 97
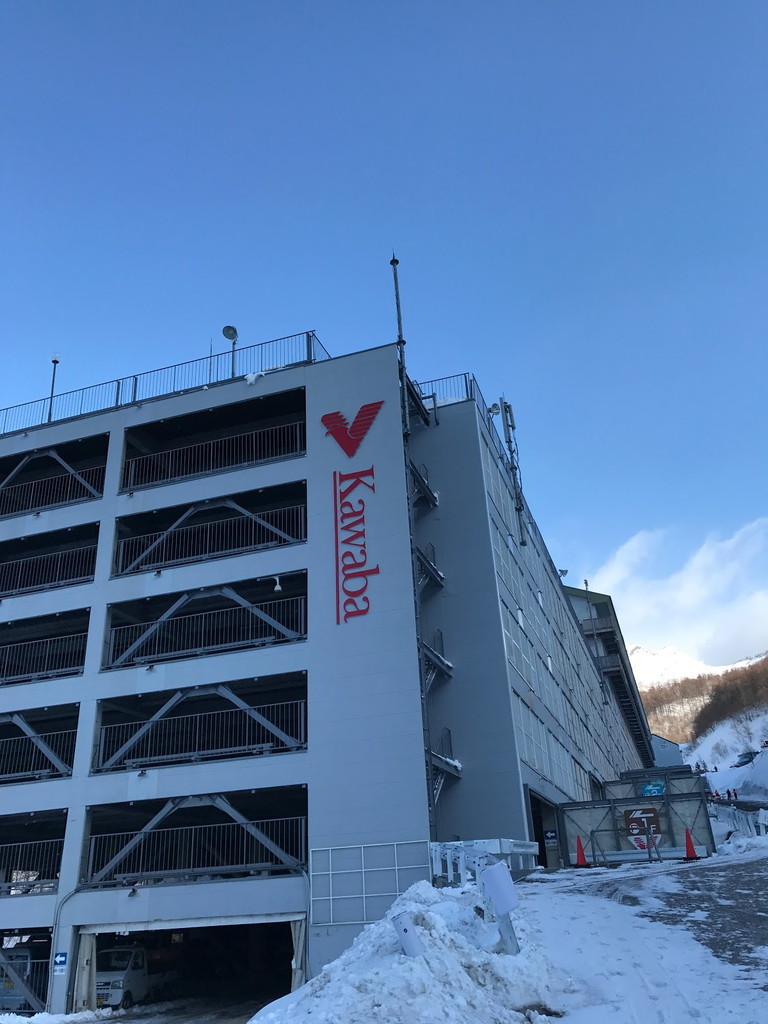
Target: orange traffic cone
pixel 581 860
pixel 690 849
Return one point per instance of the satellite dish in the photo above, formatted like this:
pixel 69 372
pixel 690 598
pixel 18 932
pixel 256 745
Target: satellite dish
pixel 230 333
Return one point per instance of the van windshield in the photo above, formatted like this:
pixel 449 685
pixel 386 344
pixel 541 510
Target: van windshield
pixel 113 959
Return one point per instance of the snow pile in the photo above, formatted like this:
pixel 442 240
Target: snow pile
pixel 458 978
pixel 738 845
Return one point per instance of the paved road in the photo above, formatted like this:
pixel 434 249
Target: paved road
pixel 724 906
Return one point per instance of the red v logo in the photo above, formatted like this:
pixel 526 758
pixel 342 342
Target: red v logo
pixel 349 438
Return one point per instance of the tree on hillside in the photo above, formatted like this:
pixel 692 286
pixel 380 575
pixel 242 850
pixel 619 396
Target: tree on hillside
pixel 738 692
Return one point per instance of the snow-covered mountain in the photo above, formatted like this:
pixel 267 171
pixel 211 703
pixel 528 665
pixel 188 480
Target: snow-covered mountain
pixel 655 667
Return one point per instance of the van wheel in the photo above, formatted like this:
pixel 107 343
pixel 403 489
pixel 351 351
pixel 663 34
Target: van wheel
pixel 127 1001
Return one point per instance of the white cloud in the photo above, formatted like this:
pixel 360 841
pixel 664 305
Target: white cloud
pixel 714 606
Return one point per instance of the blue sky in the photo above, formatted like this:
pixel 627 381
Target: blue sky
pixel 576 192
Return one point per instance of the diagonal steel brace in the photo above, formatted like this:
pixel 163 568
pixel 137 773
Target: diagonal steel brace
pixel 257 519
pixel 168 808
pixel 39 742
pixel 73 472
pixel 255 610
pixel 152 629
pixel 19 984
pixel 177 698
pixel 225 692
pixel 224 805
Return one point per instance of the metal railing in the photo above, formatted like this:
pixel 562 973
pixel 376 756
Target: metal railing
pixel 208 632
pixel 57 569
pixel 198 850
pixel 30 868
pixel 49 491
pixel 169 380
pixel 20 758
pixel 204 736
pixel 50 656
pixel 461 388
pixel 33 974
pixel 265 445
pixel 201 540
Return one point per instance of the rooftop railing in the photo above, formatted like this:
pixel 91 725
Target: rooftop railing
pixel 169 380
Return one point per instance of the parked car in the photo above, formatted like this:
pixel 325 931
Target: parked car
pixel 747 757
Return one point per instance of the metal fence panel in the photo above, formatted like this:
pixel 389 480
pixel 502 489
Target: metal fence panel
pixel 50 491
pixel 57 569
pixel 30 868
pixel 21 758
pixel 208 632
pixel 201 736
pixel 50 656
pixel 246 449
pixel 192 851
pixel 204 540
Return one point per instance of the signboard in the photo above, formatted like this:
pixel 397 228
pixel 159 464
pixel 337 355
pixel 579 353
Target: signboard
pixel 655 787
pixel 550 837
pixel 645 842
pixel 352 492
pixel 641 821
pixel 60 959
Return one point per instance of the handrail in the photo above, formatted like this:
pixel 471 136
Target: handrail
pixel 213 850
pixel 216 537
pixel 48 656
pixel 168 380
pixel 49 491
pixel 30 868
pixel 224 629
pixel 54 569
pixel 204 735
pixel 203 457
pixel 20 757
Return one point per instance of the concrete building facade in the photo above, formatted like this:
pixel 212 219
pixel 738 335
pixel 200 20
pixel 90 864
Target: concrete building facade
pixel 271 628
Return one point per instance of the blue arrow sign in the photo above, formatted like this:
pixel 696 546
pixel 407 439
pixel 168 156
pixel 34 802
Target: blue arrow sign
pixel 60 959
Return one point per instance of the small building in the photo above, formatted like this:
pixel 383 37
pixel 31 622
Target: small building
pixel 666 752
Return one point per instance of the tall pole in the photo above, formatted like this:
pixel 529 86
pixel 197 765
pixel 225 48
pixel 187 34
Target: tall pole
pixel 234 342
pixel 55 363
pixel 394 263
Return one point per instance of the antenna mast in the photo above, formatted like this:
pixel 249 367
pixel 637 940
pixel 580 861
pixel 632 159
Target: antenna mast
pixel 394 263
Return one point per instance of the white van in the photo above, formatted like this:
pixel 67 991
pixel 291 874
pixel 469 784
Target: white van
pixel 130 974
